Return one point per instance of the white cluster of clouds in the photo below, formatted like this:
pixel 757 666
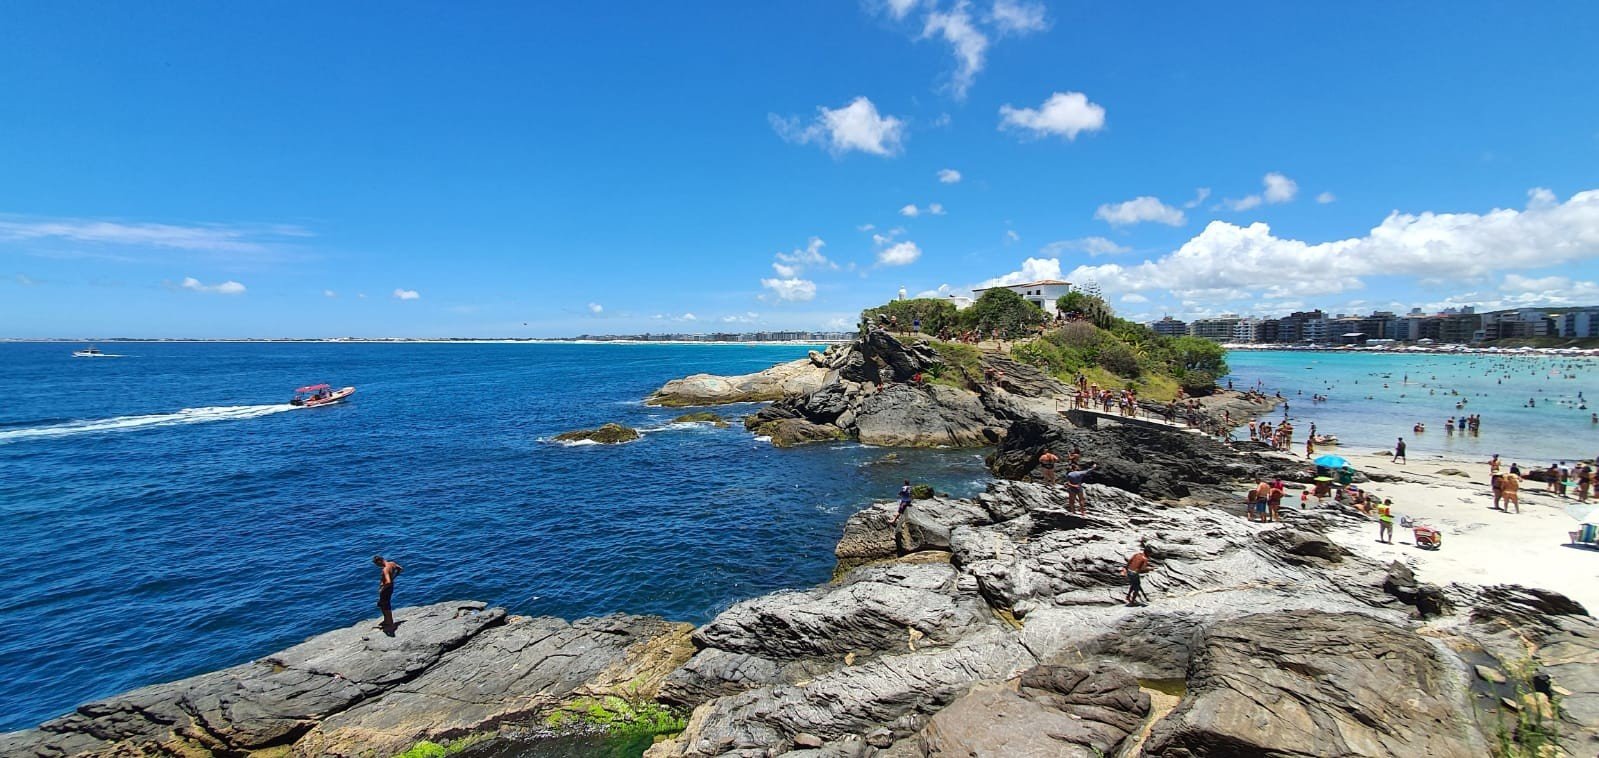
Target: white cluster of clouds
pixel 931 209
pixel 949 176
pixel 1138 210
pixel 1278 189
pixel 1063 114
pixel 229 287
pixel 899 254
pixel 405 294
pixel 788 284
pixel 856 126
pixel 1228 263
pixel 969 33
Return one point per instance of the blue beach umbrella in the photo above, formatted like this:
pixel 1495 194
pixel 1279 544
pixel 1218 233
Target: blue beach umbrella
pixel 1332 461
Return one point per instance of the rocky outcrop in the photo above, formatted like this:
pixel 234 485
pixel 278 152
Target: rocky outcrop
pixel 793 378
pixel 881 391
pixel 1156 463
pixel 1047 711
pixel 899 658
pixel 701 417
pixel 1316 684
pixel 450 669
pixel 609 434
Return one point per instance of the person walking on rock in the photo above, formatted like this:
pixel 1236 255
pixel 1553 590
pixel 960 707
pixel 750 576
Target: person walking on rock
pixel 390 570
pixel 904 501
pixel 1047 462
pixel 1136 567
pixel 1074 488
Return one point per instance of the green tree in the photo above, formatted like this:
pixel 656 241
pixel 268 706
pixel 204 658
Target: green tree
pixel 934 314
pixel 1093 308
pixel 1003 312
pixel 1197 354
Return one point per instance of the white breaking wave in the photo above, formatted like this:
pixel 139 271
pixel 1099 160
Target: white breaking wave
pixel 121 423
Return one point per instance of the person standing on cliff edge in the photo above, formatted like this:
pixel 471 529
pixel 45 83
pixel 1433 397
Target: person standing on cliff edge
pixel 390 570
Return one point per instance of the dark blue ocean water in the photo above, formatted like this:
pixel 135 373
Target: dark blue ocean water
pixel 164 514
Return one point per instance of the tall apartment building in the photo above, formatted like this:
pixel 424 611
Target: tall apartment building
pixel 1169 327
pixel 1219 329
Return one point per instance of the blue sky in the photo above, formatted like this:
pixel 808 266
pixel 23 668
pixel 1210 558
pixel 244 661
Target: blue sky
pixel 238 170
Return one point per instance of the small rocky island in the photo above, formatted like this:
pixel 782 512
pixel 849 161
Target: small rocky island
pixel 988 626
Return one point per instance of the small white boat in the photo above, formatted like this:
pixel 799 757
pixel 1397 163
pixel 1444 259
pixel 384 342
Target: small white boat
pixel 93 352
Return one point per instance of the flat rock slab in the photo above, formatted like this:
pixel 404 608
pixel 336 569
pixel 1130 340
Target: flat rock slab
pixel 520 670
pixel 1316 684
pixel 271 701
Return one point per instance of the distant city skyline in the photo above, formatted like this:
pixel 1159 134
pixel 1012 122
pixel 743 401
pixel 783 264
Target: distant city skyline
pixel 200 170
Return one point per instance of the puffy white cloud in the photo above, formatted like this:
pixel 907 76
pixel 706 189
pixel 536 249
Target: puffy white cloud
pixel 1199 197
pixel 1139 210
pixel 949 176
pixel 936 209
pixel 792 289
pixel 745 318
pixel 329 293
pixel 1230 262
pixel 943 291
pixel 856 126
pixel 910 210
pixel 1064 114
pixel 1095 246
pixel 1032 270
pixel 1019 16
pixel 229 287
pixel 403 294
pixel 865 227
pixel 1279 188
pixel 1134 297
pixel 899 254
pixel 969 44
pixel 1326 197
pixel 932 209
pixel 1555 290
pixel 798 260
pixel 594 308
pixel 900 8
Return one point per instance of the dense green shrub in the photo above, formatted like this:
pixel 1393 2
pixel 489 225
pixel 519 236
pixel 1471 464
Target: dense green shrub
pixel 935 315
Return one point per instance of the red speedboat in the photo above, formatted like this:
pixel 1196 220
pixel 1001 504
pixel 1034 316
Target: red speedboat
pixel 320 394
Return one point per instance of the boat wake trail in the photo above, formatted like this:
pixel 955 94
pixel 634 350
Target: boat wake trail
pixel 122 423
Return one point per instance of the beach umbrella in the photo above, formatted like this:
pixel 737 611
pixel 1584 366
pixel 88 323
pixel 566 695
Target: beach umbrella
pixel 1583 513
pixel 1332 461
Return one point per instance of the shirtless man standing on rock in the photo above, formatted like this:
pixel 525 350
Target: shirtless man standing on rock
pixel 1047 462
pixel 386 590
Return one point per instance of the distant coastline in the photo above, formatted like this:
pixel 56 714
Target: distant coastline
pixel 1443 349
pixel 413 341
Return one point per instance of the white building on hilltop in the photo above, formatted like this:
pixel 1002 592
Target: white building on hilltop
pixel 1042 293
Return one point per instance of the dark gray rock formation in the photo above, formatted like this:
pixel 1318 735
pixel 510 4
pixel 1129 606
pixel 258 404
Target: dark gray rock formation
pixel 1156 463
pixel 450 668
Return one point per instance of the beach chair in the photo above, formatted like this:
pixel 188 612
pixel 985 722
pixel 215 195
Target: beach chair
pixel 1428 538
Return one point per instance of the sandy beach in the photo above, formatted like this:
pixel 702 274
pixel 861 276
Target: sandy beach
pixel 1481 546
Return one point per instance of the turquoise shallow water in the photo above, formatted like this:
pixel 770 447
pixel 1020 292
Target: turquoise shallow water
pixel 1374 398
